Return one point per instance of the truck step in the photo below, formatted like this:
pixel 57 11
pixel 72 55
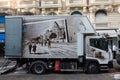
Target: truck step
pixel 104 68
pixel 6 69
pixel 72 70
pixel 7 66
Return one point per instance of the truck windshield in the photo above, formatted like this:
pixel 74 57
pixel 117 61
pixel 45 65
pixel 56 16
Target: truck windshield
pixel 100 43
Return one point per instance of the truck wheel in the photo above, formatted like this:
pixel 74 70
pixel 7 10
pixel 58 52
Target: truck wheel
pixel 92 68
pixel 38 68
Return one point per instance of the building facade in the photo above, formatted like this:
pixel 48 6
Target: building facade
pixel 104 14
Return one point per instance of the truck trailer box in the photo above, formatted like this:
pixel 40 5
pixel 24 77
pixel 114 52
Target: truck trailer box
pixel 45 37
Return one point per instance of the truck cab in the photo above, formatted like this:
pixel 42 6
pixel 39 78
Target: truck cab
pixel 114 41
pixel 97 49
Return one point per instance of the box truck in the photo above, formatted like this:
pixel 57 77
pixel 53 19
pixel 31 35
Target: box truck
pixel 58 43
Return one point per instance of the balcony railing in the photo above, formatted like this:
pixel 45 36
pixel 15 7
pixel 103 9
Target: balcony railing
pixel 25 4
pixel 106 25
pixel 51 3
pixel 76 2
pixel 101 0
pixel 116 2
pixel 5 4
pixel 98 2
pixel 5 0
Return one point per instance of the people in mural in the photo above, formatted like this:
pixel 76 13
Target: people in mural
pixel 34 47
pixel 63 34
pixel 49 43
pixel 45 38
pixel 30 47
pixel 45 42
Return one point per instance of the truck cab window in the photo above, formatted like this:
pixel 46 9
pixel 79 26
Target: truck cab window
pixel 100 43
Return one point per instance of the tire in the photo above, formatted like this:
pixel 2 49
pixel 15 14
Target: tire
pixel 118 58
pixel 38 68
pixel 92 68
pixel 118 62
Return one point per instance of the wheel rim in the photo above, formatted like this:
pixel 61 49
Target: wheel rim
pixel 38 69
pixel 93 68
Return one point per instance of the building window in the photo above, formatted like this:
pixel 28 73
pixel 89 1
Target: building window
pixel 27 13
pixel 76 13
pixel 101 18
pixel 52 13
pixel 40 3
pixel 26 2
pixel 75 1
pixel 51 2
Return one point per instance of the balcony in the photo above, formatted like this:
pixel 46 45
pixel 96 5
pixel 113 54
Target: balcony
pixel 50 3
pixel 100 2
pixel 5 4
pixel 25 4
pixel 116 2
pixel 73 3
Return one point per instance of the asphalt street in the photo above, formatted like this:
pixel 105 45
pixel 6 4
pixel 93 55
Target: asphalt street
pixel 59 76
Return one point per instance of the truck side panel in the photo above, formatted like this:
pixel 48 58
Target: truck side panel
pixel 13 37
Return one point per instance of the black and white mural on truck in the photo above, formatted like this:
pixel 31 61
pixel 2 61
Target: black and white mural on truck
pixel 54 38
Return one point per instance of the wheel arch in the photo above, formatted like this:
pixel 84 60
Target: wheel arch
pixel 89 61
pixel 41 62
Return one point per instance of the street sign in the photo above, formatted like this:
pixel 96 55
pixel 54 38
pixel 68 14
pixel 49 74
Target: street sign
pixel 2 25
pixel 2 19
pixel 2 37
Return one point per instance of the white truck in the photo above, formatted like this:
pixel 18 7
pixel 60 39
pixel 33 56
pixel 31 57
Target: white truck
pixel 59 43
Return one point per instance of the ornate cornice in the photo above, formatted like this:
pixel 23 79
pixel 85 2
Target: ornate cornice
pixel 93 9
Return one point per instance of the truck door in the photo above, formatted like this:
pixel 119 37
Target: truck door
pixel 98 48
pixel 119 46
pixel 13 36
pixel 118 53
